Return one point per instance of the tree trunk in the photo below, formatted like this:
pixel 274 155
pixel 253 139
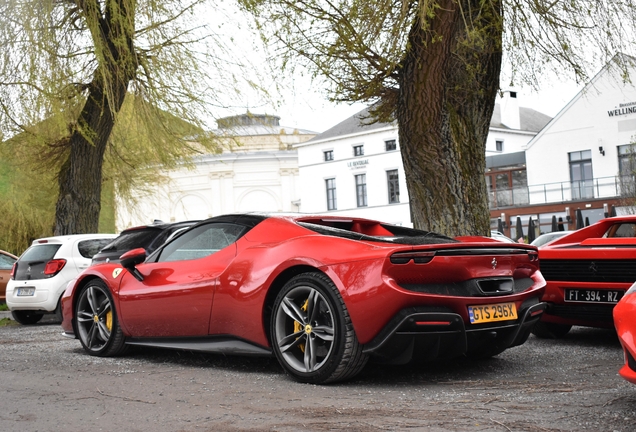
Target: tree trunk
pixel 448 86
pixel 80 178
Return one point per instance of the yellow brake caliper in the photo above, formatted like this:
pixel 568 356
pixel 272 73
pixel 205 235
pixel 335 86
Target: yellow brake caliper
pixel 298 326
pixel 109 320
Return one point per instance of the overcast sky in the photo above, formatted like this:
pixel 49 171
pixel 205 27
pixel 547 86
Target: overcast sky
pixel 310 110
pixel 304 106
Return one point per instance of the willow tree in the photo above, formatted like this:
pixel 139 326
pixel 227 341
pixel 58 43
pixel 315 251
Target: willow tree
pixel 435 66
pixel 68 66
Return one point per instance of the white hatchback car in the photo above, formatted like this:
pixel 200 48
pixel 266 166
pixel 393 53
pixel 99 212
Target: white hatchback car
pixel 40 276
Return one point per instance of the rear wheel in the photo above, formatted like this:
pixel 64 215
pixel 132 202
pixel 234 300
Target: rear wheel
pixel 546 330
pixel 97 325
pixel 26 317
pixel 312 333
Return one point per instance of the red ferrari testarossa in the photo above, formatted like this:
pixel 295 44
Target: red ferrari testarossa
pixel 587 273
pixel 323 294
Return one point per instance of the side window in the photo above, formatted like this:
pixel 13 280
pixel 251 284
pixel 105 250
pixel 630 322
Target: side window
pixel 6 262
pixel 88 248
pixel 201 241
pixel 623 230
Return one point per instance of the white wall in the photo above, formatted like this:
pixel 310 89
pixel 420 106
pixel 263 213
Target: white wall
pixel 314 171
pixel 219 184
pixel 513 141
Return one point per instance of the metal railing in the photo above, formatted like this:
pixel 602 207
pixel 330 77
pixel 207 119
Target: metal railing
pixel 602 187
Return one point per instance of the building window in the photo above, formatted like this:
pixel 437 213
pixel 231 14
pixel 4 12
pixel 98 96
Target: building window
pixel 358 150
pixel 393 186
pixel 499 146
pixel 627 169
pixel 331 194
pixel 390 145
pixel 581 177
pixel 328 155
pixel 507 188
pixel 361 190
pixel 627 160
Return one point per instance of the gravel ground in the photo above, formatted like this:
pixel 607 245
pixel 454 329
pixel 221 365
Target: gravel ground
pixel 48 384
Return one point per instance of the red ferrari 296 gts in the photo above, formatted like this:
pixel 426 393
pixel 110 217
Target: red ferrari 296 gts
pixel 323 294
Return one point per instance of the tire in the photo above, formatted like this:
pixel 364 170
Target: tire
pixel 26 317
pixel 546 330
pixel 96 321
pixel 312 334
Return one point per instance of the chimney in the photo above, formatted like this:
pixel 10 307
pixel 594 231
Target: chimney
pixel 510 110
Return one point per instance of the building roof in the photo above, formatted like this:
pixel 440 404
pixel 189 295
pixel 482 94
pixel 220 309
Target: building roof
pixel 359 122
pixel 250 124
pixel 531 121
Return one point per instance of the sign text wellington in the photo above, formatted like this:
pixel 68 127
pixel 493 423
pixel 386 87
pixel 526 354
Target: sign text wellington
pixel 623 109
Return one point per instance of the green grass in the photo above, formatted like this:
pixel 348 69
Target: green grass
pixel 6 322
pixel 3 307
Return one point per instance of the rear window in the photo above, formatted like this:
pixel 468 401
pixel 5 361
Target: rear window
pixel 132 240
pixel 40 252
pixel 88 248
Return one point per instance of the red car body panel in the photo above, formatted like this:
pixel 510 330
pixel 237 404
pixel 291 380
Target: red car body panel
pixel 230 292
pixel 625 323
pixel 587 262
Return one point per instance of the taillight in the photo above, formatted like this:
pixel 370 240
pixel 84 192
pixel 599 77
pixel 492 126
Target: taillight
pixel 53 267
pixel 534 256
pixel 15 264
pixel 416 257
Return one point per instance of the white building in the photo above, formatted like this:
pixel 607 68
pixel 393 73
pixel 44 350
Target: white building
pixel 257 171
pixel 581 160
pixel 581 155
pixel 356 169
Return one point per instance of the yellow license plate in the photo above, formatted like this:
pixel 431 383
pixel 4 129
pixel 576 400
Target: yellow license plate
pixel 490 313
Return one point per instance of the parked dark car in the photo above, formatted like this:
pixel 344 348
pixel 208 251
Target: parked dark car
pixel 149 237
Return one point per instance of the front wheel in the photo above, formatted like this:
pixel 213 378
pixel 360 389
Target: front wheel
pixel 312 334
pixel 96 319
pixel 26 317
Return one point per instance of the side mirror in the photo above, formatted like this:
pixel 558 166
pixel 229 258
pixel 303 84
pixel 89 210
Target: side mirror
pixel 132 258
